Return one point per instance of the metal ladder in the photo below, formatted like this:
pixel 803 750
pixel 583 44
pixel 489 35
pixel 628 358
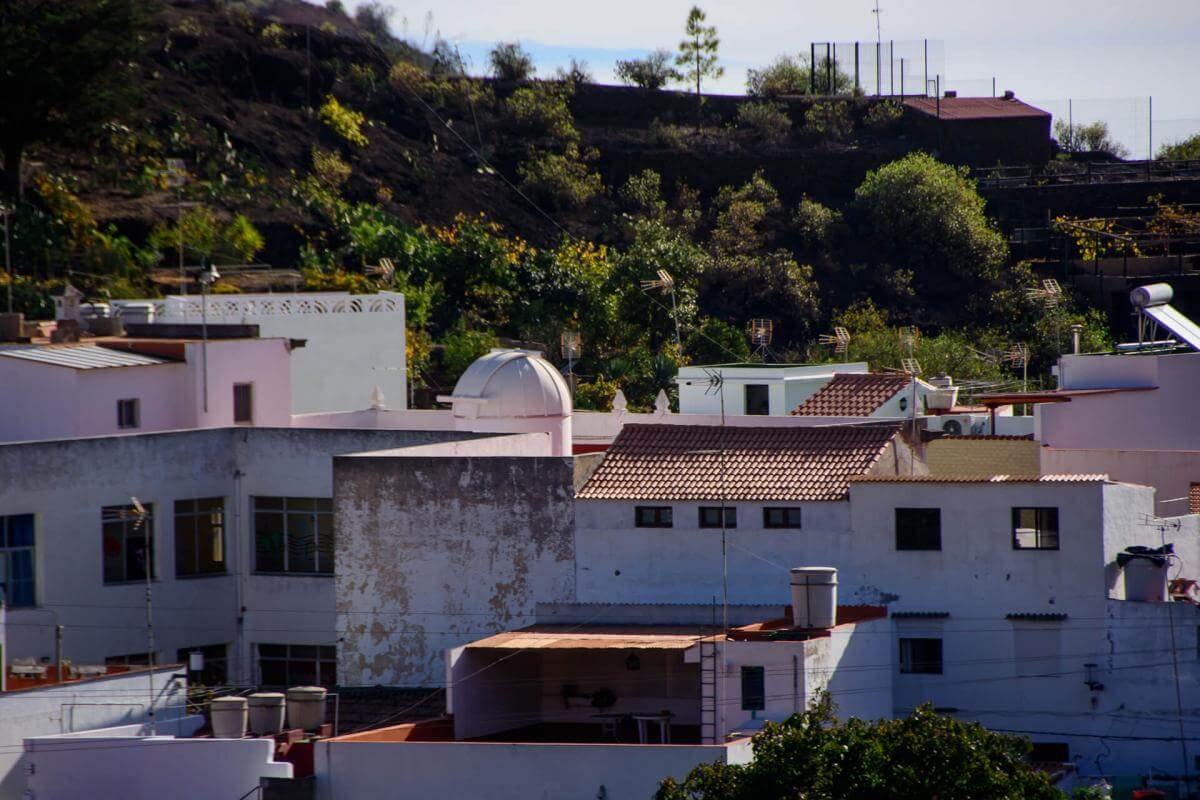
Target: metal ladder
pixel 708 691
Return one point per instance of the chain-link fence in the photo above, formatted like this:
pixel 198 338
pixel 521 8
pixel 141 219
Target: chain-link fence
pixel 891 68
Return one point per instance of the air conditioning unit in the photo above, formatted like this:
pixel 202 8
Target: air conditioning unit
pixel 952 427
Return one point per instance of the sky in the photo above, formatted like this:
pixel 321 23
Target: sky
pixel 1108 57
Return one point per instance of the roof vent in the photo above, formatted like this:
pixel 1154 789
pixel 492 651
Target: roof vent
pixel 950 93
pixel 814 597
pixel 1009 95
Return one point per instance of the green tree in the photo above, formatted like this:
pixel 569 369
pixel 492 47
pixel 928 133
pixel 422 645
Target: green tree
pixel 1092 137
pixel 1184 150
pixel 510 62
pixel 717 342
pixel 462 347
pixel 814 756
pixel 698 55
pixel 652 72
pixel 66 69
pixel 206 237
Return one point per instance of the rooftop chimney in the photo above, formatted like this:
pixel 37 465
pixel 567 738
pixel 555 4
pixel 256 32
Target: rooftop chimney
pixel 951 93
pixel 1009 95
pixel 814 597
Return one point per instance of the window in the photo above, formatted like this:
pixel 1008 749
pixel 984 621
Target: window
pixel 781 517
pixel 1058 752
pixel 128 543
pixel 128 660
pixel 758 399
pixel 128 413
pixel 216 664
pixel 754 689
pixel 200 536
pixel 918 529
pixel 1036 648
pixel 297 665
pixel 1035 528
pixel 16 560
pixel 710 517
pixel 293 534
pixel 243 402
pixel 921 656
pixel 652 517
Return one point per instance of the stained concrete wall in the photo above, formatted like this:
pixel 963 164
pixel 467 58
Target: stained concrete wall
pixel 971 456
pixel 435 552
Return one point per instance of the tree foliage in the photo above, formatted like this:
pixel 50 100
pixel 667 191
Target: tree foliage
pixel 511 62
pixel 794 75
pixel 1088 138
pixel 698 55
pixel 65 69
pixel 925 755
pixel 654 71
pixel 1183 150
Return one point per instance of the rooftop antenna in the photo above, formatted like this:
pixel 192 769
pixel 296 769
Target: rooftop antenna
pixel 762 331
pixel 666 284
pixel 571 343
pixel 716 383
pixel 878 48
pixel 176 177
pixel 385 269
pixel 909 335
pixel 1050 294
pixel 839 339
pixel 1018 354
pixel 207 278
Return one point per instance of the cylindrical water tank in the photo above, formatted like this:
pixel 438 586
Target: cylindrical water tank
pixel 306 707
pixel 814 597
pixel 1154 294
pixel 266 713
pixel 228 717
pixel 137 313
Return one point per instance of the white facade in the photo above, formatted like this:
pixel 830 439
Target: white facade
pixel 353 343
pixel 786 386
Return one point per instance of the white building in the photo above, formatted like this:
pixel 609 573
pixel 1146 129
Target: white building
pixel 755 389
pixel 353 343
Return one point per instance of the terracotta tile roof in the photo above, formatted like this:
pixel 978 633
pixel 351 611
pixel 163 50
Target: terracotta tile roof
pixel 952 108
pixel 682 462
pixel 1096 478
pixel 852 395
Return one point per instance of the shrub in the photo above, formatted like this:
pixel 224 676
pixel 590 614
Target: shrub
pixel 814 221
pixel 1090 138
pixel 344 121
pixel 562 179
pixel 373 18
pixel 784 75
pixel 596 394
pixel 188 27
pixel 329 168
pixel 652 72
pixel 665 134
pixel 828 120
pixel 884 115
pixel 274 35
pixel 1184 150
pixel 576 72
pixel 510 62
pixel 767 120
pixel 541 110
pixel 462 347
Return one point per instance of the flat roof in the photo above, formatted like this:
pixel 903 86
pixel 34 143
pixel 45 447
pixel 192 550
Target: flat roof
pixel 596 637
pixel 83 356
pixel 1052 395
pixel 1062 478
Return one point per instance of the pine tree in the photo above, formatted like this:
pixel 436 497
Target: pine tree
pixel 698 55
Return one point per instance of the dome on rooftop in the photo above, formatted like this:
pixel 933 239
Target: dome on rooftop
pixel 511 383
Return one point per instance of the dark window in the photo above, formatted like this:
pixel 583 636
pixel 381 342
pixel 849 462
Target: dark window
pixel 128 660
pixel 128 413
pixel 781 517
pixel 1050 751
pixel 16 560
pixel 1035 528
pixel 758 399
pixel 297 665
pixel 921 656
pixel 243 402
pixel 754 689
pixel 200 536
pixel 710 517
pixel 216 664
pixel 128 543
pixel 652 517
pixel 918 529
pixel 293 534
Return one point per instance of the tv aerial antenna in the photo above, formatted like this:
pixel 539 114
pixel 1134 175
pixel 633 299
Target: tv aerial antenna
pixel 666 284
pixel 1017 356
pixel 385 269
pixel 839 340
pixel 139 515
pixel 762 331
pixel 1049 295
pixel 571 344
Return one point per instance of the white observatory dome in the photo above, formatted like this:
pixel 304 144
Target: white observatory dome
pixel 510 383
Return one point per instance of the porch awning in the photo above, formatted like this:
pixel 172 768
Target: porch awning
pixel 595 637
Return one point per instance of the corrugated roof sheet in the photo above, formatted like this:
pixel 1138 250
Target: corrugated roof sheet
pixel 1091 478
pixel 952 108
pixel 852 395
pixel 682 462
pixel 594 637
pixel 82 356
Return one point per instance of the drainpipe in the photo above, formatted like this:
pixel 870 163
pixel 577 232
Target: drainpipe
pixel 239 547
pixel 58 658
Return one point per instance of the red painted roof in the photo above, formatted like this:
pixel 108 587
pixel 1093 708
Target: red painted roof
pixel 682 462
pixel 953 108
pixel 852 395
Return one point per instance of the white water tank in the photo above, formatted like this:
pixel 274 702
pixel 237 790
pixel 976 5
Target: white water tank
pixel 1146 581
pixel 306 707
pixel 137 313
pixel 266 713
pixel 228 717
pixel 814 597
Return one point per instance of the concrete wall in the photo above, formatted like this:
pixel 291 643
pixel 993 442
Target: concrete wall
pixel 789 386
pixel 119 763
pixel 80 705
pixel 263 363
pixel 436 551
pixel 1170 472
pixel 983 457
pixel 421 770
pixel 66 483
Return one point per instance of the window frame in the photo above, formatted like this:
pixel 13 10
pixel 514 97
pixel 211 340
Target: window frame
pixel 755 677
pixel 1052 512
pixel 756 410
pixel 324 659
pixel 124 404
pixel 715 512
pixel 248 388
pixel 905 530
pixel 8 555
pixel 653 516
pixel 194 515
pixel 127 526
pixel 909 665
pixel 321 509
pixel 786 524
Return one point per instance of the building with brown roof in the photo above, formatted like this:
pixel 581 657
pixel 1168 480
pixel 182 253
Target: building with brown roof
pixel 980 131
pixel 872 394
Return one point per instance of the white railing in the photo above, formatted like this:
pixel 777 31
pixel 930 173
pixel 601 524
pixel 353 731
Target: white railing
pixel 179 307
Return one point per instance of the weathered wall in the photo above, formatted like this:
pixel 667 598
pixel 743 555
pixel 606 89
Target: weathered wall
pixel 971 456
pixel 437 551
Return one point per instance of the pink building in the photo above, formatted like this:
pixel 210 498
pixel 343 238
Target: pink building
pixel 110 386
